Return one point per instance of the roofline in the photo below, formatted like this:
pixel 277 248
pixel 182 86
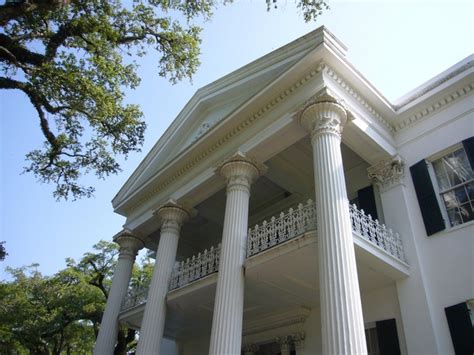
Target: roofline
pixel 433 83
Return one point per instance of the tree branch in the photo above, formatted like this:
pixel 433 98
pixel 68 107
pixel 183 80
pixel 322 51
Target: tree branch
pixel 20 53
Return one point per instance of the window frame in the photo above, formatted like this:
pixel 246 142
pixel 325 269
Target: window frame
pixel 430 160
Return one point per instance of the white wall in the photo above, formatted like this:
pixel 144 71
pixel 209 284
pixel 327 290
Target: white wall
pixel 446 257
pixel 381 304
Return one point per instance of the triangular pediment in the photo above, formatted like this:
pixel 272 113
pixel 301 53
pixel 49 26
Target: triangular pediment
pixel 214 103
pixel 220 104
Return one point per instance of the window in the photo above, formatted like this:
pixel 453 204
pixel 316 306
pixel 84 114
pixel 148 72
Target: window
pixel 455 179
pixel 444 187
pixel 382 338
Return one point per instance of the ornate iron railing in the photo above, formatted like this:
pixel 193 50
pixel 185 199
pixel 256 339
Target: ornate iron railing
pixel 302 219
pixel 282 228
pixel 135 296
pixel 195 268
pixel 376 232
pixel 266 235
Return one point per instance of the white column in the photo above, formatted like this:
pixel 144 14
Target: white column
pixel 226 334
pixel 171 218
pixel 129 246
pixel 341 310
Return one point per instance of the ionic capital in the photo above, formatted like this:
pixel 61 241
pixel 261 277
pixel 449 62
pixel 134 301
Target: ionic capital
pixel 239 172
pixel 129 244
pixel 387 172
pixel 324 117
pixel 172 216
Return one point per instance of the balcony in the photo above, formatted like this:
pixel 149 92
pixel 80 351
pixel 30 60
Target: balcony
pixel 296 222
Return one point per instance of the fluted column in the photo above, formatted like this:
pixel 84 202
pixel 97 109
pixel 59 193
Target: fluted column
pixel 341 310
pixel 129 246
pixel 226 334
pixel 171 218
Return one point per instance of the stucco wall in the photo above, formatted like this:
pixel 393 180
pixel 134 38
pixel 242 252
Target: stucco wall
pixel 446 258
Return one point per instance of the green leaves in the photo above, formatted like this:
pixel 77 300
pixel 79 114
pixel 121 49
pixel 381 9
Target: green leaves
pixel 70 62
pixel 49 314
pixel 74 59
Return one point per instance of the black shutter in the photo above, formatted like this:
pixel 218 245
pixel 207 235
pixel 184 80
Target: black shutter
pixel 460 328
pixel 387 337
pixel 468 145
pixel 367 201
pixel 427 198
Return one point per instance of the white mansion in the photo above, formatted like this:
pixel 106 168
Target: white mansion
pixel 294 210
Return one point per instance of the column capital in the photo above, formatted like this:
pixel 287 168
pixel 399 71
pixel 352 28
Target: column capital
pixel 240 171
pixel 298 340
pixel 284 342
pixel 172 216
pixel 324 117
pixel 129 244
pixel 388 172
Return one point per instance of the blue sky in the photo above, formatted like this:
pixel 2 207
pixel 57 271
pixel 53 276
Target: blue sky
pixel 396 45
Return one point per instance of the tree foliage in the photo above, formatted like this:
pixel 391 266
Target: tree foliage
pixel 74 58
pixel 3 252
pixel 62 313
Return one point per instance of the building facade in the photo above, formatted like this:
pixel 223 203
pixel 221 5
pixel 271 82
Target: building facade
pixel 292 209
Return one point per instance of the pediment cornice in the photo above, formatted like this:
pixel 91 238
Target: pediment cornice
pixel 205 146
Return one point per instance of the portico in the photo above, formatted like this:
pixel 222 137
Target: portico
pixel 246 273
pixel 275 203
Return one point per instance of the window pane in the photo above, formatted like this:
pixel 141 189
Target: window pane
pixel 454 170
pixel 450 199
pixel 461 194
pixel 454 217
pixel 470 190
pixel 467 212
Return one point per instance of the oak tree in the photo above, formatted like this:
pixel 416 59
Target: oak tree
pixel 73 59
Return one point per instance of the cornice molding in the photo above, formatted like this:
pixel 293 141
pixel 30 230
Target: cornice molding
pixel 430 109
pixel 202 154
pixel 356 96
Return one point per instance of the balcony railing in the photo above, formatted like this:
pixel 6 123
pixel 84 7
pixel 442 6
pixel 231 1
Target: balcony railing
pixel 135 297
pixel 195 268
pixel 376 233
pixel 268 234
pixel 303 219
pixel 282 228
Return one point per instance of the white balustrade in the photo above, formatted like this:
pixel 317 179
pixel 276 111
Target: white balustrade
pixel 302 219
pixel 266 235
pixel 194 268
pixel 282 228
pixel 135 297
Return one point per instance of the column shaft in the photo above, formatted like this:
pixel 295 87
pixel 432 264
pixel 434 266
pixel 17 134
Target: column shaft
pixel 341 310
pixel 152 328
pixel 226 334
pixel 109 325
